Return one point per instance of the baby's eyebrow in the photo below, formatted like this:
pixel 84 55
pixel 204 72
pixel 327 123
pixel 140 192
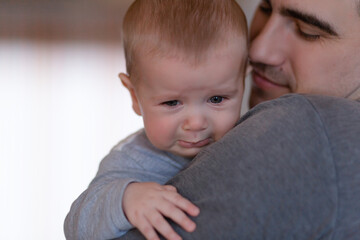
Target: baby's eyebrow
pixel 309 19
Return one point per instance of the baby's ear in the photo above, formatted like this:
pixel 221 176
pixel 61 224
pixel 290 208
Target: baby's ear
pixel 125 80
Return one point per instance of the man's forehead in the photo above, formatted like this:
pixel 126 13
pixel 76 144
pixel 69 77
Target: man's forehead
pixel 316 5
pixel 331 16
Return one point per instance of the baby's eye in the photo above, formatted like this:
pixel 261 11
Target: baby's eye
pixel 171 103
pixel 216 99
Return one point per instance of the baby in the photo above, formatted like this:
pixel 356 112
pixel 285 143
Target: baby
pixel 186 62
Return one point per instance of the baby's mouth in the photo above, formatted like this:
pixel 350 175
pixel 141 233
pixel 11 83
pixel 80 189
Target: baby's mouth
pixel 199 144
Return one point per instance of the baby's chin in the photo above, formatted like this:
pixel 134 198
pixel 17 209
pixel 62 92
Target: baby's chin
pixel 187 153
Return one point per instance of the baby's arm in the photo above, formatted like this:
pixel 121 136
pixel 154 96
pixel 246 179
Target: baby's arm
pixel 97 213
pixel 146 204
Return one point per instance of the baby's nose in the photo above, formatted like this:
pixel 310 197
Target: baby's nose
pixel 195 122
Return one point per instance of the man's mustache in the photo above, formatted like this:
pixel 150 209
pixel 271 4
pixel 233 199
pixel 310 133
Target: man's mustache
pixel 272 73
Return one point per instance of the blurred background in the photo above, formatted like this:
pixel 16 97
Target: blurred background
pixel 62 106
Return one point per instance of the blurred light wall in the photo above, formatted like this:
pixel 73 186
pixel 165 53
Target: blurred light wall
pixel 62 106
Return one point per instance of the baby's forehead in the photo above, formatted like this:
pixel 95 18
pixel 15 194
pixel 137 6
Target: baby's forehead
pixel 232 57
pixel 192 56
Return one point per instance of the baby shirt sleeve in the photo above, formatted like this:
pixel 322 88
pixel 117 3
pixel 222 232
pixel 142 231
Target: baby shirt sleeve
pixel 97 213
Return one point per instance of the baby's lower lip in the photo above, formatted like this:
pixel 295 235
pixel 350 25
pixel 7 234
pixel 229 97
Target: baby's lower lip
pixel 198 144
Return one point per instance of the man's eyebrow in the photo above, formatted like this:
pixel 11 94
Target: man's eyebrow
pixel 309 19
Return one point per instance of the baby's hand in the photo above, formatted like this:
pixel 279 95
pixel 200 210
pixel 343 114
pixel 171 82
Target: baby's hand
pixel 146 204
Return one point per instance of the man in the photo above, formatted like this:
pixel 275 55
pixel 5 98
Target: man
pixel 305 47
pixel 291 168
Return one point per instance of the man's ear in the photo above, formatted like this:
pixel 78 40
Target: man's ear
pixel 125 80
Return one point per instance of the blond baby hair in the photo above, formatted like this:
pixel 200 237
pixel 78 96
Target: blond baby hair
pixel 192 27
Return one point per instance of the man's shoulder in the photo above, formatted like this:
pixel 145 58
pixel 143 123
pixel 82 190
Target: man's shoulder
pixel 320 102
pixel 336 114
pixel 331 104
pixel 332 120
pixel 329 108
pixel 303 139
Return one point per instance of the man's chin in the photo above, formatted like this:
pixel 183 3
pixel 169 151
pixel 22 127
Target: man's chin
pixel 256 97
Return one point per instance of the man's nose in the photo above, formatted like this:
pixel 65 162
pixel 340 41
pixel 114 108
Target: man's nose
pixel 268 46
pixel 195 122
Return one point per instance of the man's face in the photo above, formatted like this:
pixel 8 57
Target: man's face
pixel 305 46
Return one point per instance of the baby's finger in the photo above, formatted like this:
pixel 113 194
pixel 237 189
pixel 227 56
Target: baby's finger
pixel 178 216
pixel 162 226
pixel 145 227
pixel 183 203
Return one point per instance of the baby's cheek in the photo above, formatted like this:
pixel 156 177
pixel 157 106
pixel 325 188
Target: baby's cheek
pixel 160 133
pixel 225 127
